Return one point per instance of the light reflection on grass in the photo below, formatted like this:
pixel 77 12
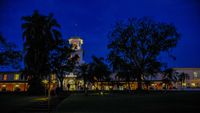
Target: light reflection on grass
pixel 40 99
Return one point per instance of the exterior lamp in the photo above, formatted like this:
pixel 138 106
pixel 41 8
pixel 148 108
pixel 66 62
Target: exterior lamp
pixel 184 84
pixel 45 81
pixel 54 81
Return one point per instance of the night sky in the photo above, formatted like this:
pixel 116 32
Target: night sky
pixel 94 19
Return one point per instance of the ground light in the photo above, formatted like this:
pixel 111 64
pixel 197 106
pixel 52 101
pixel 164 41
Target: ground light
pixel 49 92
pixel 40 99
pixel 45 83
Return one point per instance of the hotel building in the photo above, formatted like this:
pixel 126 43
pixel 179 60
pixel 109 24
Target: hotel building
pixel 12 81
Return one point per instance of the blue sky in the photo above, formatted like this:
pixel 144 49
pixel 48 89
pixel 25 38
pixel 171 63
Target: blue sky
pixel 94 19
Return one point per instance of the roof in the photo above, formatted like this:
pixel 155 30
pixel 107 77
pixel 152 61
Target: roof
pixel 186 68
pixel 75 39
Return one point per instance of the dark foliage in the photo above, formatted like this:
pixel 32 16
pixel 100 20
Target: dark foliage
pixel 136 45
pixel 9 55
pixel 99 71
pixel 40 36
pixel 61 60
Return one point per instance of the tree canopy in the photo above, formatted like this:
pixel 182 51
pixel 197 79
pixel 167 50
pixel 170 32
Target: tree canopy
pixel 61 61
pixel 40 35
pixel 9 55
pixel 138 43
pixel 99 69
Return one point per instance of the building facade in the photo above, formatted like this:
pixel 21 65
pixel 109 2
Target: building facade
pixel 12 81
pixel 71 82
pixel 193 79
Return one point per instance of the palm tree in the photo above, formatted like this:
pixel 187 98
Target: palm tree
pixel 99 70
pixel 83 72
pixel 169 77
pixel 40 35
pixel 182 77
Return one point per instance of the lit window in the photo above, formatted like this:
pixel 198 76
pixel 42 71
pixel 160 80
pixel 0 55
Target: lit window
pixel 193 84
pixel 184 84
pixel 16 77
pixel 195 74
pixel 53 77
pixel 3 88
pixel 16 88
pixel 5 77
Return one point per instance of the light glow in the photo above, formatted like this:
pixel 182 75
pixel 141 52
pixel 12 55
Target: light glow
pixel 45 81
pixel 5 77
pixel 184 84
pixel 16 77
pixel 193 84
pixel 75 40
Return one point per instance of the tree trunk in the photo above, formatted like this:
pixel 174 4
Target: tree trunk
pixel 129 86
pixel 84 81
pixel 139 83
pixel 61 84
pixel 147 87
pixel 182 85
pixel 100 83
pixel 35 86
pixel 101 86
pixel 100 91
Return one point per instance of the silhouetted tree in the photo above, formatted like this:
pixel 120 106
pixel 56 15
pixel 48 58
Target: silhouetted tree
pixel 147 83
pixel 61 62
pixel 169 76
pixel 9 55
pixel 99 70
pixel 120 67
pixel 83 72
pixel 139 42
pixel 40 35
pixel 182 77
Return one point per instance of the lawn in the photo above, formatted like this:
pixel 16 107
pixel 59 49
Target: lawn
pixel 12 103
pixel 176 102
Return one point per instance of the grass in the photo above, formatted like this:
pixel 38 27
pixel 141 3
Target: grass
pixel 172 102
pixel 11 103
pixel 176 102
